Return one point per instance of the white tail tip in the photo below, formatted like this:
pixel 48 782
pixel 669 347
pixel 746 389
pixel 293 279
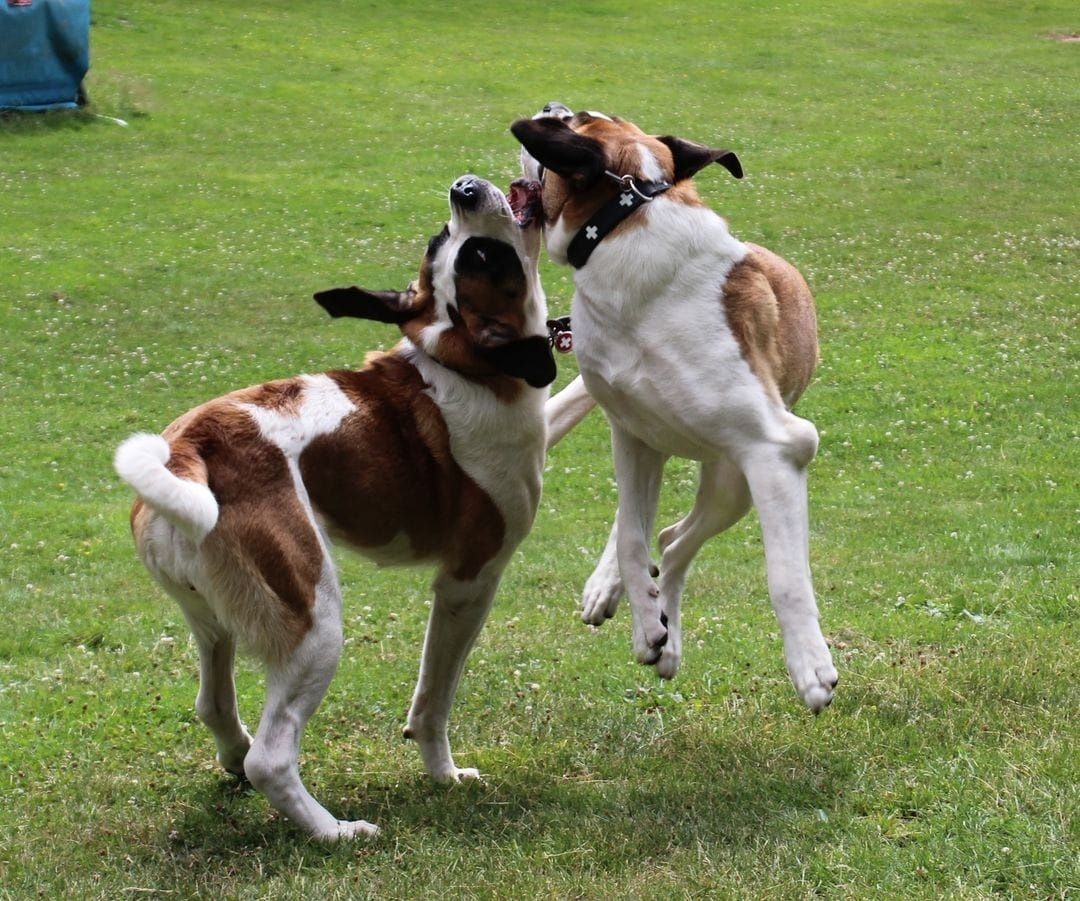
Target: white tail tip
pixel 190 506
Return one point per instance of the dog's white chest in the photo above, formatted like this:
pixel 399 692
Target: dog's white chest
pixel 668 369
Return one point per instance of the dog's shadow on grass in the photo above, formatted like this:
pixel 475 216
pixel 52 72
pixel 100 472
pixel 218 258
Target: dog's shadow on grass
pixel 24 122
pixel 677 798
pixel 725 795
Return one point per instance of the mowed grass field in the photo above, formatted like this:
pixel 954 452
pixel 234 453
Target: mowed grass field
pixel 918 161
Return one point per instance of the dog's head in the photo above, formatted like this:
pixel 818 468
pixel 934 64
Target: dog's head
pixel 477 306
pixel 582 160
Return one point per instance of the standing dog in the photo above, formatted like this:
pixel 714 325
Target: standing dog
pixel 696 345
pixel 430 453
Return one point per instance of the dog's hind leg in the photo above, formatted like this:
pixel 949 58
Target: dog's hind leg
pixel 294 689
pixel 457 615
pixel 216 702
pixel 722 500
pixel 638 471
pixel 776 473
pixel 566 409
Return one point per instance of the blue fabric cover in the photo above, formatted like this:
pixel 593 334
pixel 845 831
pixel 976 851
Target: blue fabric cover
pixel 44 52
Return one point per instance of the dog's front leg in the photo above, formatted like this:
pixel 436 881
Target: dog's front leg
pixel 604 588
pixel 638 471
pixel 457 614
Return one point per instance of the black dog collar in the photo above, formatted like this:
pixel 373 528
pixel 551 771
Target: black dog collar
pixel 633 195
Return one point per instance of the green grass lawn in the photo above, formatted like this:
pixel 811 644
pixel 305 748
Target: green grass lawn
pixel 918 161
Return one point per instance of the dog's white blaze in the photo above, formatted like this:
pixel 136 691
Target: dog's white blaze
pixel 650 166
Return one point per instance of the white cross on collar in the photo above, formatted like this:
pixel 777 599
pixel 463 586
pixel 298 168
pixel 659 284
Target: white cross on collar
pixel 626 199
pixel 590 232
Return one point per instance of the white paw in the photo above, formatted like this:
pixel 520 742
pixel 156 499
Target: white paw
pixel 347 830
pixel 232 759
pixel 455 774
pixel 601 596
pixel 670 658
pixel 813 674
pixel 650 636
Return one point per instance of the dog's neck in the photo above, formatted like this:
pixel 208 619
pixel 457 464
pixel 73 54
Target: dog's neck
pixel 632 194
pixel 505 388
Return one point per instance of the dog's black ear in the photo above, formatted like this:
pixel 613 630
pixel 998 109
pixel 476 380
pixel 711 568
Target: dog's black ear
pixel 556 146
pixel 395 307
pixel 526 358
pixel 691 157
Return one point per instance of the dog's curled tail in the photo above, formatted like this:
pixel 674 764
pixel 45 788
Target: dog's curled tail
pixel 187 504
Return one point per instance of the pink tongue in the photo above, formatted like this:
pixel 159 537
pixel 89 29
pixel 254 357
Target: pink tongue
pixel 519 199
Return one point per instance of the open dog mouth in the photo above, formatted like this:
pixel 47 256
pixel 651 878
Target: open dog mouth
pixel 525 201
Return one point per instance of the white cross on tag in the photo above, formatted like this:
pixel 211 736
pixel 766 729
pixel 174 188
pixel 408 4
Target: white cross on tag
pixel 590 232
pixel 626 199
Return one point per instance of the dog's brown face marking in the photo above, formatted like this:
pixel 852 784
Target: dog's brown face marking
pixel 490 288
pixel 488 305
pixel 477 306
pixel 623 149
pixel 574 189
pixel 480 303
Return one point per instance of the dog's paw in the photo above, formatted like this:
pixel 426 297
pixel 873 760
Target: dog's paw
pixel 813 675
pixel 454 775
pixel 670 657
pixel 347 830
pixel 819 696
pixel 232 759
pixel 650 637
pixel 602 594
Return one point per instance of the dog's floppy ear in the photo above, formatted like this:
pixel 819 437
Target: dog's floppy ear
pixel 395 307
pixel 556 146
pixel 525 358
pixel 691 157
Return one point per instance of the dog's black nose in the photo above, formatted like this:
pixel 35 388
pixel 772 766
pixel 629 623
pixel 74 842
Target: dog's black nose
pixel 465 192
pixel 555 110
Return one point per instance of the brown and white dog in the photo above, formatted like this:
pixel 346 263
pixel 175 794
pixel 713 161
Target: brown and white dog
pixel 432 453
pixel 696 345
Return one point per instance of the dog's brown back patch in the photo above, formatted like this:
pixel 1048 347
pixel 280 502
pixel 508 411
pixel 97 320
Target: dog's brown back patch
pixel 388 471
pixel 263 554
pixel 770 311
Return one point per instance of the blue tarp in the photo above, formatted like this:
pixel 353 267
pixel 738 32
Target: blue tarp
pixel 44 52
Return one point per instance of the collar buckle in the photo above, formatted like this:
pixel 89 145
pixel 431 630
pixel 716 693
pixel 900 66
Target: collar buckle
pixel 629 183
